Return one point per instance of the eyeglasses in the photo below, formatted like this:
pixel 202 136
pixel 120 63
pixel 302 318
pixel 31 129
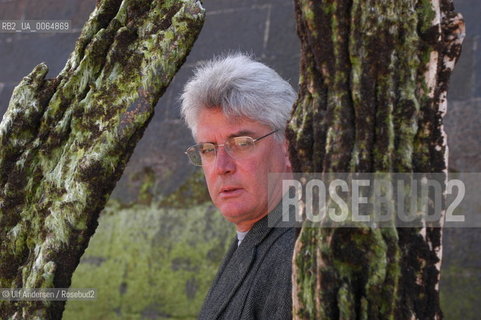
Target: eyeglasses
pixel 236 147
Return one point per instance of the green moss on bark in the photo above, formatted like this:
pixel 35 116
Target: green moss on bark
pixel 67 140
pixel 371 99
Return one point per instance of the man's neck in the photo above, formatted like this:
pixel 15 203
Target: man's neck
pixel 245 226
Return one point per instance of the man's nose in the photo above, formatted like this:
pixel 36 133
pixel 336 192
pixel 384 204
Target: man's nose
pixel 224 163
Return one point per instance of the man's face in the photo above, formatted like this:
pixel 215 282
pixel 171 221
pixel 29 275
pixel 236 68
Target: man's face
pixel 239 187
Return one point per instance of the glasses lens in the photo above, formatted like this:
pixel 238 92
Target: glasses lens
pixel 206 150
pixel 201 153
pixel 239 146
pixel 194 156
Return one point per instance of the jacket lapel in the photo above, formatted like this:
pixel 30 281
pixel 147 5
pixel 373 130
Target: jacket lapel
pixel 233 276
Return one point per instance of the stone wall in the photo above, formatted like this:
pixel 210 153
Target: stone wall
pixel 461 270
pixel 147 262
pixel 142 269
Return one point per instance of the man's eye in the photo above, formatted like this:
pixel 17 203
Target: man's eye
pixel 242 143
pixel 206 150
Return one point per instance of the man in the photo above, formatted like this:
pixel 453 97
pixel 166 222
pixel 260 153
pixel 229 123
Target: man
pixel 237 110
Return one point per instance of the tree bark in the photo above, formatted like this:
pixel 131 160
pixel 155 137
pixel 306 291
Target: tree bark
pixel 372 98
pixel 66 141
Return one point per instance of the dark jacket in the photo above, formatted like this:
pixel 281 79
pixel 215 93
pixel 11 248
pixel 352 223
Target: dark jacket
pixel 254 279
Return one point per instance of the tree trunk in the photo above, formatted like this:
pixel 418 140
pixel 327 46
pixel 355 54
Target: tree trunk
pixel 66 141
pixel 372 98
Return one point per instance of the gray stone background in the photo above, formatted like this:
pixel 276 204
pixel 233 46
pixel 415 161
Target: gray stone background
pixel 267 30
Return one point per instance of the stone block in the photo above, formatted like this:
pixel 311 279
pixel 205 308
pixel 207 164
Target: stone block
pixel 233 30
pixel 20 53
pixel 462 81
pixel 462 127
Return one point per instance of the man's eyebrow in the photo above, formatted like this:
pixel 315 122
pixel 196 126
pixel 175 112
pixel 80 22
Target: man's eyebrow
pixel 241 133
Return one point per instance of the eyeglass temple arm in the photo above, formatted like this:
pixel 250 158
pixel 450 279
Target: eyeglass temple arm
pixel 255 140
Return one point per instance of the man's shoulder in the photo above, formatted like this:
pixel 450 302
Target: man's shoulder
pixel 285 238
pixel 279 244
pixel 269 292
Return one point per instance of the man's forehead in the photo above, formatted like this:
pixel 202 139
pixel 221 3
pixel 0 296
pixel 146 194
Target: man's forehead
pixel 225 133
pixel 214 124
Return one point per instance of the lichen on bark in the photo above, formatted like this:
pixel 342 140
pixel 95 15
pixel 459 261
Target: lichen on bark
pixel 372 96
pixel 65 141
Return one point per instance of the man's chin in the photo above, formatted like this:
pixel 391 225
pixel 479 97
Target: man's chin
pixel 233 211
pixel 232 215
pixel 237 212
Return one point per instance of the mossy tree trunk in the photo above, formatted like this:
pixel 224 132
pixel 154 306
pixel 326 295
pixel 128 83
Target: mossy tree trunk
pixel 65 141
pixel 372 99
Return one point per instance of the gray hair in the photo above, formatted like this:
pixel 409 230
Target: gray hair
pixel 239 86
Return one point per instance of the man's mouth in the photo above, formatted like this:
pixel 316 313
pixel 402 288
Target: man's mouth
pixel 230 191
